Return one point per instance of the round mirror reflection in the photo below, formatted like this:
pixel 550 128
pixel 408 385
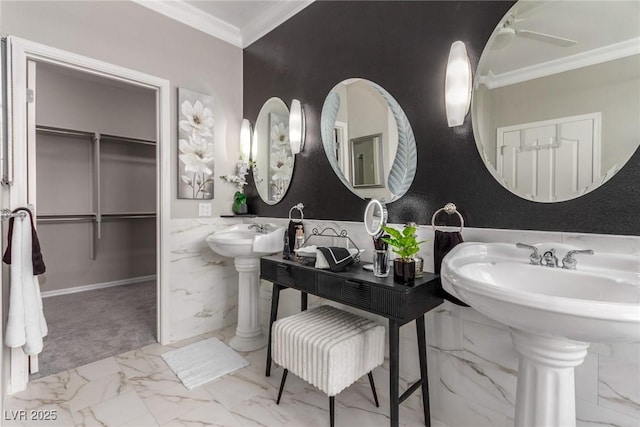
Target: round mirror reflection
pixel 271 151
pixel 557 96
pixel 368 140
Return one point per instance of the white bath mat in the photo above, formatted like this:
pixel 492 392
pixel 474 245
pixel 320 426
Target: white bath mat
pixel 204 361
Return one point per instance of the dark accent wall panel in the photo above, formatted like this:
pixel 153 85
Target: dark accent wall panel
pixel 403 46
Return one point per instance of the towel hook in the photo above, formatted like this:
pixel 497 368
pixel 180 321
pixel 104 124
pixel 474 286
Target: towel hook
pixel 449 209
pixel 299 207
pixel 8 213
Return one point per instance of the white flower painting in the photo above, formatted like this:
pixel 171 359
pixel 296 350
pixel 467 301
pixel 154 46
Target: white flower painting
pixel 196 145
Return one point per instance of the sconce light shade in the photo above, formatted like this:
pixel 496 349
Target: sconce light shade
pixel 245 140
pixel 296 127
pixel 457 85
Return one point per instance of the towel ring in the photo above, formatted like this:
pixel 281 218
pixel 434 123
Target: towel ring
pixel 449 209
pixel 299 208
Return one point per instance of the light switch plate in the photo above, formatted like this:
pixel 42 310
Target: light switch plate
pixel 204 209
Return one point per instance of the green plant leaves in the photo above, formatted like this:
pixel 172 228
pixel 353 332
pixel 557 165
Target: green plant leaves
pixel 403 243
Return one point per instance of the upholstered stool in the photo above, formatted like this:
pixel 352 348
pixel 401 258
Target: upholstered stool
pixel 329 348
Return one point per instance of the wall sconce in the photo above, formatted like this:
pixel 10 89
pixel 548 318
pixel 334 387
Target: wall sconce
pixel 457 85
pixel 245 140
pixel 296 127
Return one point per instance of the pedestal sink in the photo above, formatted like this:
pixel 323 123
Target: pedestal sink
pixel 553 314
pixel 246 243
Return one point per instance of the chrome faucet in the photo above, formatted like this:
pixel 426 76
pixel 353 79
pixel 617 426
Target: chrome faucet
pixel 260 228
pixel 549 259
pixel 535 257
pixel 569 262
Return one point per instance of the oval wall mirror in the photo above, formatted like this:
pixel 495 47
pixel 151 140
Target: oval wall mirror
pixel 557 96
pixel 368 140
pixel 271 152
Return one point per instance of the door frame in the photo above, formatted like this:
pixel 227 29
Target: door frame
pixel 20 52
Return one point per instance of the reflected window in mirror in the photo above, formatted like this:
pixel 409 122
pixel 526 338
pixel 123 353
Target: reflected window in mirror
pixel 271 152
pixel 555 106
pixel 368 140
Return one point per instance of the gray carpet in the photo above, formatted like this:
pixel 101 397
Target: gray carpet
pixel 88 326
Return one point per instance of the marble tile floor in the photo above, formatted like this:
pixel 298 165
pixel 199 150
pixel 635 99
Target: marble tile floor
pixel 137 389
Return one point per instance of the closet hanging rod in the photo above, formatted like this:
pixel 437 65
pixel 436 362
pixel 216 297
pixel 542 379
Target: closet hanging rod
pixel 127 139
pixel 67 215
pixel 61 131
pixel 107 218
pixel 67 219
pixel 116 214
pixel 85 134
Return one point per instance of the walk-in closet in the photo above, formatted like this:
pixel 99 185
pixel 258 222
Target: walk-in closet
pixel 95 191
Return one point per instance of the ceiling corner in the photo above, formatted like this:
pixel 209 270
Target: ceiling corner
pixel 189 15
pixel 269 20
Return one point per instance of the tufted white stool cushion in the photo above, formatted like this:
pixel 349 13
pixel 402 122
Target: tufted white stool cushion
pixel 327 347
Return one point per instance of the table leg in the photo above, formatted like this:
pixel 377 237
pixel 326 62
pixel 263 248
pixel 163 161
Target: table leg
pixel 275 296
pixel 422 349
pixel 394 372
pixel 304 297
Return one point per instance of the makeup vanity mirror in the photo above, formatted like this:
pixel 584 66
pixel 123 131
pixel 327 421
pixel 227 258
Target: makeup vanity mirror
pixel 375 217
pixel 557 96
pixel 368 140
pixel 271 151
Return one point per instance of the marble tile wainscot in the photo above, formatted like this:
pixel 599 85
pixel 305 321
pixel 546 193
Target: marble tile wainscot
pixel 472 363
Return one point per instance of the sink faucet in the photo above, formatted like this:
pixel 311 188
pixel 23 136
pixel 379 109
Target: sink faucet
pixel 549 258
pixel 260 228
pixel 569 262
pixel 535 257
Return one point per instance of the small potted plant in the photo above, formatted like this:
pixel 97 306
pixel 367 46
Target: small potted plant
pixel 239 203
pixel 405 245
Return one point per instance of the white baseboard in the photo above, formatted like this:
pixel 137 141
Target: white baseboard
pixel 95 286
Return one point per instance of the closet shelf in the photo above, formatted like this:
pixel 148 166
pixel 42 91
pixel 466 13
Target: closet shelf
pixel 50 130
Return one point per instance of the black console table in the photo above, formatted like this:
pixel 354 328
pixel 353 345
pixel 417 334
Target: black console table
pixel 357 288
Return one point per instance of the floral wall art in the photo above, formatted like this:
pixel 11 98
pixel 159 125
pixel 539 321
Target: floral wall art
pixel 280 156
pixel 195 145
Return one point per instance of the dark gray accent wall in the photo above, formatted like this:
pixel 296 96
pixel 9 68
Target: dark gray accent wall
pixel 403 46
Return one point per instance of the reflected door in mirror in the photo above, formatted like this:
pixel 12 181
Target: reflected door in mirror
pixel 366 161
pixel 552 160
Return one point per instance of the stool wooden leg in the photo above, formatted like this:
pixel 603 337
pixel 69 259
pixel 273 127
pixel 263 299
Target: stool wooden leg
pixel 332 410
pixel 373 389
pixel 422 348
pixel 284 379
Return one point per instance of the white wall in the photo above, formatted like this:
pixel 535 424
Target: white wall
pixel 128 35
pixel 132 36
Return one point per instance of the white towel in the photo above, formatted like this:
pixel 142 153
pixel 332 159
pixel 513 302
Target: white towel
pixel 26 325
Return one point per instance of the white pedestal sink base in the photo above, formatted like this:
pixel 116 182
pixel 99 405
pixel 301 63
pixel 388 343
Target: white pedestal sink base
pixel 249 336
pixel 546 387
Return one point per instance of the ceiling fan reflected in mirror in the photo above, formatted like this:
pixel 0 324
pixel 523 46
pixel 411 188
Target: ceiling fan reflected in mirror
pixel 506 33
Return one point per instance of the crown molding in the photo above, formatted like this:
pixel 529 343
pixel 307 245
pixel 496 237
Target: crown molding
pixel 265 22
pixel 190 15
pixel 568 63
pixel 196 18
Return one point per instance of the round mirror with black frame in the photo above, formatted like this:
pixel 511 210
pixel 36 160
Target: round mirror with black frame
pixel 556 96
pixel 368 140
pixel 271 152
